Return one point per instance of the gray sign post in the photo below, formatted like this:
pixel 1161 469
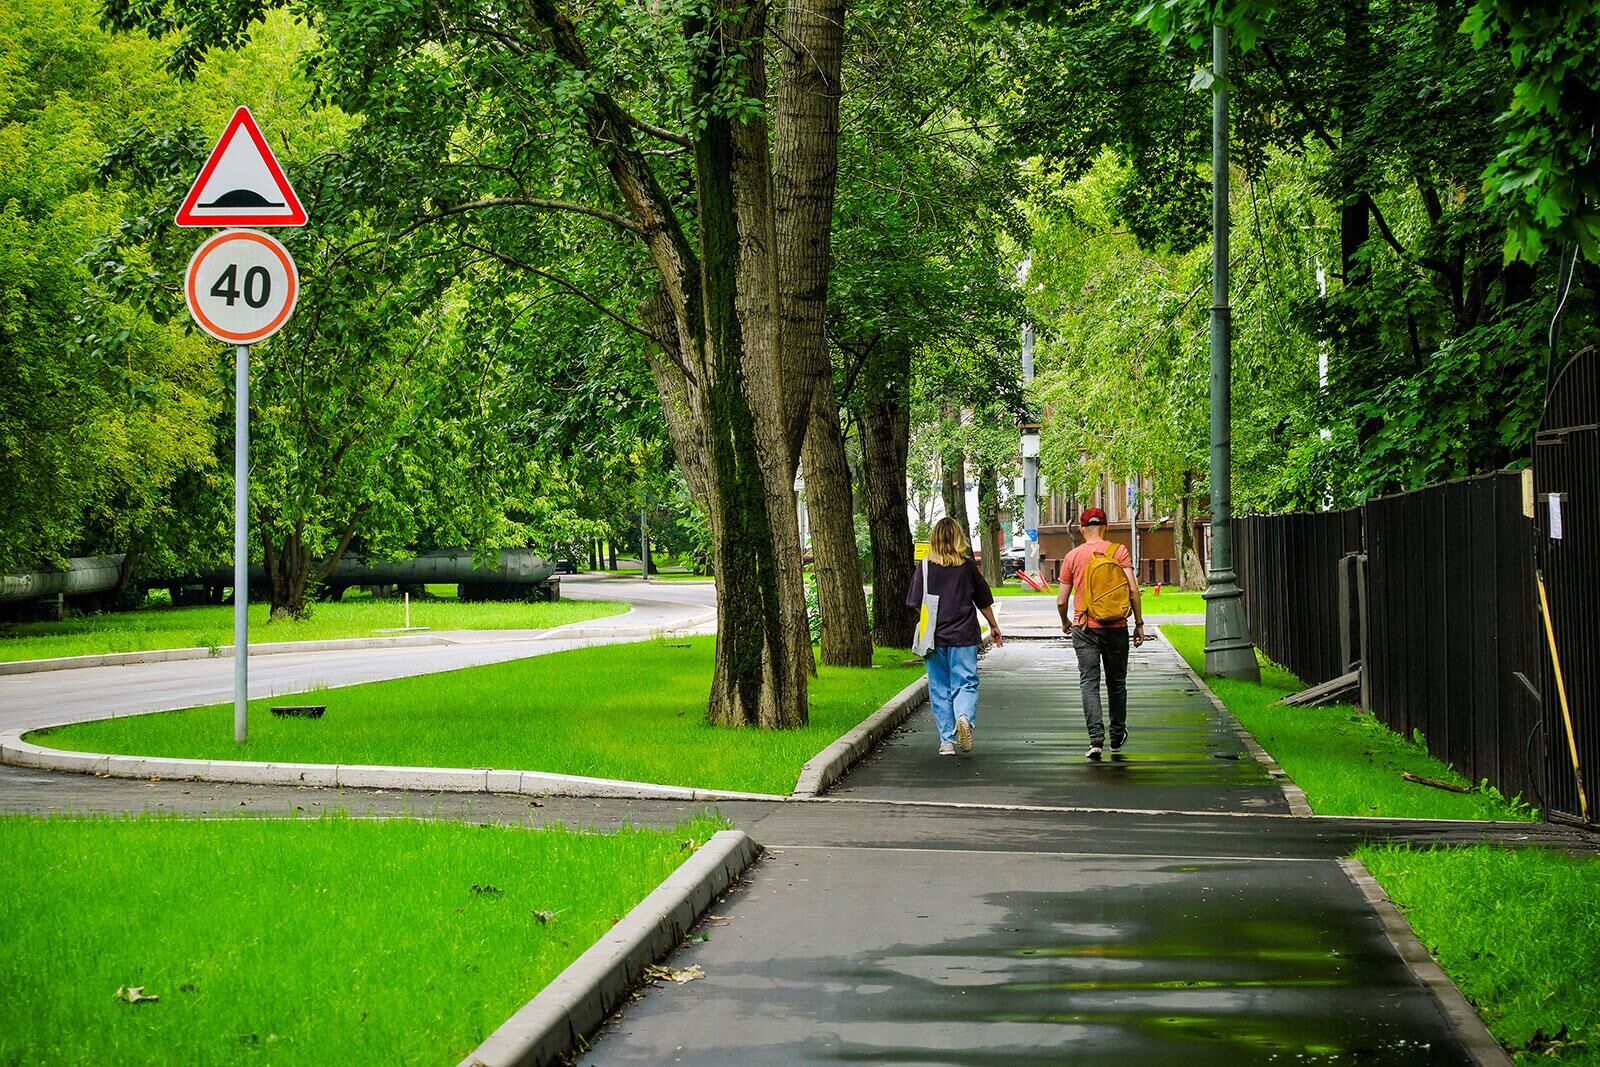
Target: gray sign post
pixel 241 545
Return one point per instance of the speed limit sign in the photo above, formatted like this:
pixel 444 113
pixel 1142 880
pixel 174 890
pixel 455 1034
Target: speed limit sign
pixel 241 286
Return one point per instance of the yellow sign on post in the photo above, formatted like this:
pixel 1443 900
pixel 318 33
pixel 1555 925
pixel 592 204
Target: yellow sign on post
pixel 920 551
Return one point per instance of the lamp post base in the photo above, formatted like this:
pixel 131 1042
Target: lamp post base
pixel 1229 652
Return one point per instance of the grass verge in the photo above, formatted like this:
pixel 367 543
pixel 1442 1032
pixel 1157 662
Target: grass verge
pixel 1346 761
pixel 635 712
pixel 324 940
pixel 212 626
pixel 1518 933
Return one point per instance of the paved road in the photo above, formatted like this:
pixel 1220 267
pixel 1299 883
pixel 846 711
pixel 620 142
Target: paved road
pixel 28 700
pixel 1004 936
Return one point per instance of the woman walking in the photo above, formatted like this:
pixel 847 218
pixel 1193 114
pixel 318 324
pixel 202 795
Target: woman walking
pixel 950 575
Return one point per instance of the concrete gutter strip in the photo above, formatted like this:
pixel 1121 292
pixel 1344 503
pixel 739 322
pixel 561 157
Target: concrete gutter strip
pixel 14 750
pixel 168 655
pixel 1292 794
pixel 557 1020
pixel 1485 1049
pixel 831 764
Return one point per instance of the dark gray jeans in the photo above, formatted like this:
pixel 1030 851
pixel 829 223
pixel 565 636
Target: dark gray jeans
pixel 1103 648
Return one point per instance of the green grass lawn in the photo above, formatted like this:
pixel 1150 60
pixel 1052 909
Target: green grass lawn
pixel 1347 761
pixel 669 576
pixel 311 941
pixel 357 615
pixel 634 711
pixel 1517 931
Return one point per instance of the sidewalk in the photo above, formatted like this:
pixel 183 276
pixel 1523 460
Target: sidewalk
pixel 926 938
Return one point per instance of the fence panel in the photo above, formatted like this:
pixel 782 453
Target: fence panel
pixel 1450 585
pixel 1288 567
pixel 1567 466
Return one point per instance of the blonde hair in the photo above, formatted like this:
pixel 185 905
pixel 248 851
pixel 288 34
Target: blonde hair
pixel 948 545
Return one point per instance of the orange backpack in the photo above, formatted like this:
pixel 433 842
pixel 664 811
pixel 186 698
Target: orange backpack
pixel 1105 586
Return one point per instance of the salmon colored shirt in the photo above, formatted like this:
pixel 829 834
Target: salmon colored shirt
pixel 1075 572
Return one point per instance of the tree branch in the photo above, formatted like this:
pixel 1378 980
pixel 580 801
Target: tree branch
pixel 659 132
pixel 535 202
pixel 572 289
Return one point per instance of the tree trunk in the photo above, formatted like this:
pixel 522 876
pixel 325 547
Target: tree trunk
pixel 842 602
pixel 953 471
pixel 805 158
pixel 763 643
pixel 884 416
pixel 989 532
pixel 288 567
pixel 1191 575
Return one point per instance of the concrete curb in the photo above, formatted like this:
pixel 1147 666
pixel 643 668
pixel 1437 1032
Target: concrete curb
pixel 573 630
pixel 17 752
pixel 168 655
pixel 556 1021
pixel 833 762
pixel 1481 1045
pixel 1292 794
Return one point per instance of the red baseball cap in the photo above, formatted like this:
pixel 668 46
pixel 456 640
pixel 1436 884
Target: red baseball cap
pixel 1092 517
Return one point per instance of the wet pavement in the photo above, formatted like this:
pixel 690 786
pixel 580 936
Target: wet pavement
pixel 885 956
pixel 1182 755
pixel 945 916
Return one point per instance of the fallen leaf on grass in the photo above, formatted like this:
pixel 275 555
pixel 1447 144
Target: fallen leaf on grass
pixel 674 974
pixel 545 917
pixel 134 994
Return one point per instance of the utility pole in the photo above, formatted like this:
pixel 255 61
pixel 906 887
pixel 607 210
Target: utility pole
pixel 1030 461
pixel 1229 652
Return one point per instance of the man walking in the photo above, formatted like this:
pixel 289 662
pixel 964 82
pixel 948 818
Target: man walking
pixel 1098 576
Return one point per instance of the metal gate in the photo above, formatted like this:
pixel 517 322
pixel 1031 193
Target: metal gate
pixel 1566 465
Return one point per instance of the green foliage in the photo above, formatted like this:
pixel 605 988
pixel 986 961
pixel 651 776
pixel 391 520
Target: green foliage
pixel 103 410
pixel 1545 176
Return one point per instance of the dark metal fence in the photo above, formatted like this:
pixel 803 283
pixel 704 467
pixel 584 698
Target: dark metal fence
pixel 1289 570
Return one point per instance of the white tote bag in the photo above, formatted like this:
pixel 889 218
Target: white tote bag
pixel 928 620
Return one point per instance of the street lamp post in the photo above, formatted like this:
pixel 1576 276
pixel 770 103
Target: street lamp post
pixel 1229 652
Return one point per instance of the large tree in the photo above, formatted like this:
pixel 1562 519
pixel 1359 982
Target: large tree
pixel 657 123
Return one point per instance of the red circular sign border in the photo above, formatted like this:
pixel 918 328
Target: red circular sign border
pixel 272 245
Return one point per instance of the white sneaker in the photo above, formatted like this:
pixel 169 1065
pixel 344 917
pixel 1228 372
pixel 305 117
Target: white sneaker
pixel 947 748
pixel 964 735
pixel 1093 753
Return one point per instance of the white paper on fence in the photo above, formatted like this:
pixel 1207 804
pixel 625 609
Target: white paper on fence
pixel 1555 516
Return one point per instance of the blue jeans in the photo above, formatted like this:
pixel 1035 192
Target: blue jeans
pixel 953 687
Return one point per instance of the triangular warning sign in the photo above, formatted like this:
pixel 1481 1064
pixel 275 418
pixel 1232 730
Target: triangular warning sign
pixel 241 183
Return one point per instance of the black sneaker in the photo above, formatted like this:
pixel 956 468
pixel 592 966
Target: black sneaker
pixel 1093 753
pixel 1118 742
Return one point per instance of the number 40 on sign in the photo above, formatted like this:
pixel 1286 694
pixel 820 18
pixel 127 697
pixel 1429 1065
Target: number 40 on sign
pixel 241 286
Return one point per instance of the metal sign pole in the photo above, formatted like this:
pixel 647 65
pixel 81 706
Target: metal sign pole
pixel 241 544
